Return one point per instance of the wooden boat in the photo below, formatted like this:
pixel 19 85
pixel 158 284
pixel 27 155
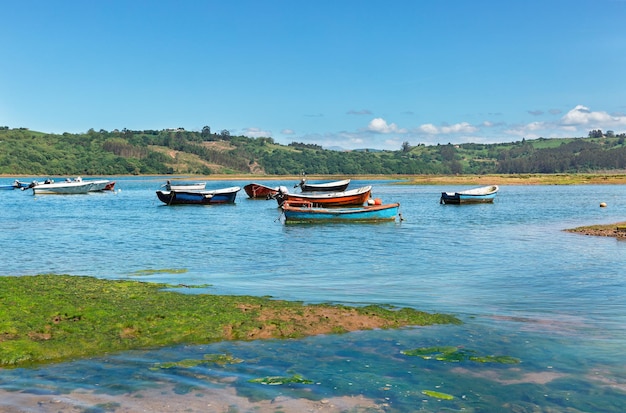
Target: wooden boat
pixel 334 186
pixel 354 197
pixel 368 213
pixel 185 186
pixel 255 190
pixel 484 194
pixel 217 196
pixel 69 186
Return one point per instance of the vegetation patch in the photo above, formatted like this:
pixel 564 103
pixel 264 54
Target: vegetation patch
pixel 50 318
pixel 219 359
pixel 278 380
pixel 456 354
pixel 437 395
pixel 617 230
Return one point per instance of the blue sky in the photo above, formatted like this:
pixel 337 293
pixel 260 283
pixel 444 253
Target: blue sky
pixel 338 73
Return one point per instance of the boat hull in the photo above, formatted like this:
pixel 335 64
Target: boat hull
pixel 8 187
pixel 373 213
pixel 355 197
pixel 259 191
pixel 62 188
pixel 483 195
pixel 101 185
pixel 335 186
pixel 220 196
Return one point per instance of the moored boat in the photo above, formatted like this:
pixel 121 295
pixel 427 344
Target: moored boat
pixel 255 190
pixel 185 186
pixel 334 186
pixel 353 197
pixel 368 213
pixel 484 194
pixel 67 187
pixel 217 196
pixel 101 185
pixel 14 185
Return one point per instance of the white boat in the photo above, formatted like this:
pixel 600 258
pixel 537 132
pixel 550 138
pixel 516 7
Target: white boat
pixel 101 185
pixel 185 186
pixel 69 186
pixel 482 195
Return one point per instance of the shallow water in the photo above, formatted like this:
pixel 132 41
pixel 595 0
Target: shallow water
pixel 523 287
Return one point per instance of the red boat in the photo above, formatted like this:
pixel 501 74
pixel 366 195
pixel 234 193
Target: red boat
pixel 255 190
pixel 352 197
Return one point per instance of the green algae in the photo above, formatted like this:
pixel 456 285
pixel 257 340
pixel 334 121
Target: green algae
pixel 437 395
pixel 456 354
pixel 278 380
pixel 51 318
pixel 219 359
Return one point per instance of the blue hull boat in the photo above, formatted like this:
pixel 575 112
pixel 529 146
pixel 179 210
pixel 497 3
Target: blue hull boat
pixel 218 196
pixel 369 213
pixel 482 195
pixel 15 185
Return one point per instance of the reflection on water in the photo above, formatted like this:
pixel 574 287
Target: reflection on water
pixel 523 287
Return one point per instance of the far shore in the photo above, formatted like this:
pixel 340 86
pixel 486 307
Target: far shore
pixel 494 179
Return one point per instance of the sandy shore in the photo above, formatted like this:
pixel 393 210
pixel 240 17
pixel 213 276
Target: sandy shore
pixel 167 401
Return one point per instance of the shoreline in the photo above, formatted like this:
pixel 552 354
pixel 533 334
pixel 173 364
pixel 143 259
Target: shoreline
pixel 494 179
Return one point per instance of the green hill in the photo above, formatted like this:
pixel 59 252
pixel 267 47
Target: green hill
pixel 26 152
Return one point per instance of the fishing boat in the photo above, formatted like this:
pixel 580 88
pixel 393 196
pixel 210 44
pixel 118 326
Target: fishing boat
pixel 217 196
pixel 334 186
pixel 255 190
pixel 354 197
pixel 185 186
pixel 484 194
pixel 67 187
pixel 368 213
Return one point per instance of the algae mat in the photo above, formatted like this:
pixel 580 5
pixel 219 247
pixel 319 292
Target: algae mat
pixel 51 318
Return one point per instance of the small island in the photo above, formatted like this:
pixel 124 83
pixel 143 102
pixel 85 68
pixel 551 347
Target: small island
pixel 52 318
pixel 617 230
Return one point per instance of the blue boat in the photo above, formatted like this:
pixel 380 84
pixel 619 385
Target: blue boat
pixel 15 185
pixel 217 196
pixel 370 213
pixel 482 195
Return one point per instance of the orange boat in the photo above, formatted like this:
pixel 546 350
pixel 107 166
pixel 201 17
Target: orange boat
pixel 356 196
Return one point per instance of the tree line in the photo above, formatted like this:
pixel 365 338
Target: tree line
pixel 177 151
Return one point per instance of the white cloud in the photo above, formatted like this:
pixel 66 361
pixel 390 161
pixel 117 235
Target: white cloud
pixel 462 127
pixel 288 132
pixel 535 126
pixel 581 116
pixel 256 133
pixel 429 128
pixel 380 125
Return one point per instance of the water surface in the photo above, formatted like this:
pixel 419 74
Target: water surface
pixel 522 286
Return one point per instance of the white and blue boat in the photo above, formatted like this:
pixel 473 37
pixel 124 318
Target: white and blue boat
pixel 15 185
pixel 369 213
pixel 482 195
pixel 217 196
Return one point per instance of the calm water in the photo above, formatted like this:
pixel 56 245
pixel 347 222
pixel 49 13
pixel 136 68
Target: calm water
pixel 523 287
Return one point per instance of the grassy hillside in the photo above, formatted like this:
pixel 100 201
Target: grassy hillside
pixel 25 152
